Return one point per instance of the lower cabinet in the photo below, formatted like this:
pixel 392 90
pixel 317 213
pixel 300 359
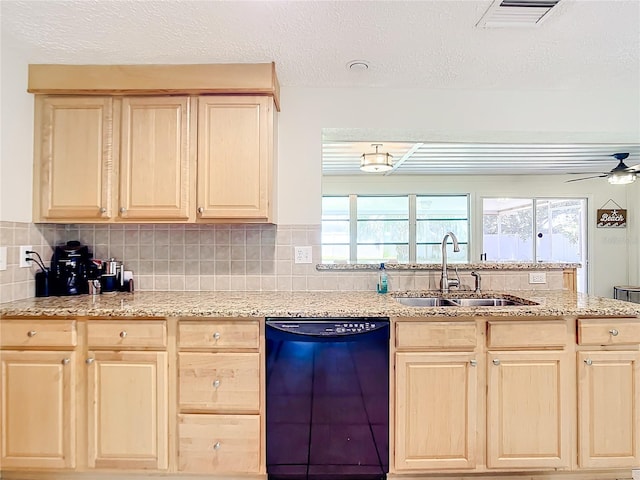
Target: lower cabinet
pixel 219 443
pixel 38 409
pixel 528 417
pixel 436 398
pixel 609 409
pixel 127 410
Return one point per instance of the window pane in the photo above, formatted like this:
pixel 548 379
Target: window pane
pixel 375 208
pixel 433 231
pixel 383 253
pixel 433 253
pixel 442 207
pixel 335 208
pixel 559 230
pixel 507 229
pixel 335 231
pixel 391 231
pixel 335 253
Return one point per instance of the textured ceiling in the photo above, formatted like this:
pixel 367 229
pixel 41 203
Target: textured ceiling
pixel 586 44
pixel 429 44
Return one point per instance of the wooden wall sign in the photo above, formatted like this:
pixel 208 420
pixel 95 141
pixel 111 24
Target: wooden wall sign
pixel 611 218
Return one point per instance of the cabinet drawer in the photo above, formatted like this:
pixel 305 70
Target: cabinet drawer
pixel 219 334
pixel 219 443
pixel 535 334
pixel 436 335
pixel 221 382
pixel 116 334
pixel 608 331
pixel 38 333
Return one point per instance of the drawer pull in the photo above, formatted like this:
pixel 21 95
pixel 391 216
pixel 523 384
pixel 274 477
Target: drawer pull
pixel 123 333
pixel 31 333
pixel 614 332
pixel 89 361
pixel 200 210
pixel 473 363
pixel 216 446
pixel 496 361
pixel 216 383
pixel 588 361
pixel 65 361
pixel 216 336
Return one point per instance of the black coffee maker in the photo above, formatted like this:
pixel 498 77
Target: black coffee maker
pixel 70 268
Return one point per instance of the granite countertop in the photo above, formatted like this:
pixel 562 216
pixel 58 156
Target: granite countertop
pixel 486 265
pixel 306 304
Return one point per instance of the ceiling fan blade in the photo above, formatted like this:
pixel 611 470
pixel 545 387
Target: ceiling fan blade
pixel 585 178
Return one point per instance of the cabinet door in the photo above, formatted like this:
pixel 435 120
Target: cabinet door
pixel 528 410
pixel 73 158
pixel 155 158
pixel 127 410
pixel 609 409
pixel 38 409
pixel 436 398
pixel 235 155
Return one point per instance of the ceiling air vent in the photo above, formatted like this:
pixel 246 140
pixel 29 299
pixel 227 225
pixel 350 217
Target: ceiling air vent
pixel 516 13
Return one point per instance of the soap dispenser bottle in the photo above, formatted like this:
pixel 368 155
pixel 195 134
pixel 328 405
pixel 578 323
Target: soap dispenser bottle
pixel 383 280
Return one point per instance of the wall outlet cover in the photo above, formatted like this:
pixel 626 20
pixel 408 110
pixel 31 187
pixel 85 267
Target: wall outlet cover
pixel 537 277
pixel 3 258
pixel 302 255
pixel 23 256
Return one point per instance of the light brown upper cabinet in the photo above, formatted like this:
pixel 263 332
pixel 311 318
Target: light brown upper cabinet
pixel 74 156
pixel 157 158
pixel 154 143
pixel 235 157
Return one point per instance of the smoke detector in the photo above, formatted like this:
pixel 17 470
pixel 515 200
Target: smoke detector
pixel 516 13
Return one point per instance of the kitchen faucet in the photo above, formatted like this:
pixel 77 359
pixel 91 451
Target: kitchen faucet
pixel 445 283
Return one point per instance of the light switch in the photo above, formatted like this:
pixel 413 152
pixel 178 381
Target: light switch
pixel 302 254
pixel 3 258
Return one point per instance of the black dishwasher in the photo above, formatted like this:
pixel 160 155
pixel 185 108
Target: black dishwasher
pixel 327 407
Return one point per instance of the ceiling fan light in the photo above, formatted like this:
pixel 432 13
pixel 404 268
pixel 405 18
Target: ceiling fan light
pixel 623 178
pixel 376 162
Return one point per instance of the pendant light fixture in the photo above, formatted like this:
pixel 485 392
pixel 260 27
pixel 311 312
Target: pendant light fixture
pixel 376 162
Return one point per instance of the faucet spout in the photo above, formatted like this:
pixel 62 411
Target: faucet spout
pixel 445 283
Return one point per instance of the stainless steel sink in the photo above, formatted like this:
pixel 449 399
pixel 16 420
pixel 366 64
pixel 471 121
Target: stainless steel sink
pixel 461 302
pixel 425 302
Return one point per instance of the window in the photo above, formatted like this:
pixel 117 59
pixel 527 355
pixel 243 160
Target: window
pixel 536 230
pixel 387 228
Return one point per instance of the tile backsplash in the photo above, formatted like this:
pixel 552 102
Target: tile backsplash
pixel 216 257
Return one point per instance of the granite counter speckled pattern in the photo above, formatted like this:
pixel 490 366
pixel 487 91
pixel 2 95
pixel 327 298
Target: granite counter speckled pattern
pixel 306 304
pixel 438 266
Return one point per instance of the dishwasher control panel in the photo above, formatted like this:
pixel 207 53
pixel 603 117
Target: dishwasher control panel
pixel 328 327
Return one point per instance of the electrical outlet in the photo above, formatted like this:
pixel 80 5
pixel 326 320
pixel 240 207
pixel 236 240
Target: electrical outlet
pixel 302 254
pixel 3 258
pixel 24 256
pixel 537 277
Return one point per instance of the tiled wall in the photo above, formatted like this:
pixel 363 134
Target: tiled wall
pixel 218 257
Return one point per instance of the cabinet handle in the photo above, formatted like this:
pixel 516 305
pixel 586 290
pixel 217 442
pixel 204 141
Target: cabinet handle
pixel 89 361
pixel 216 336
pixel 473 363
pixel 216 446
pixel 216 383
pixel 123 210
pixel 65 361
pixel 614 332
pixel 200 210
pixel 496 361
pixel 588 361
pixel 103 210
pixel 123 333
pixel 31 333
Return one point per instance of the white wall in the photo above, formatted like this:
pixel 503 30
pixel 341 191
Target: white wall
pixel 16 136
pixel 468 116
pixel 443 115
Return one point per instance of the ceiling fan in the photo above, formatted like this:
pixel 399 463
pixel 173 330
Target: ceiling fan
pixel 620 175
